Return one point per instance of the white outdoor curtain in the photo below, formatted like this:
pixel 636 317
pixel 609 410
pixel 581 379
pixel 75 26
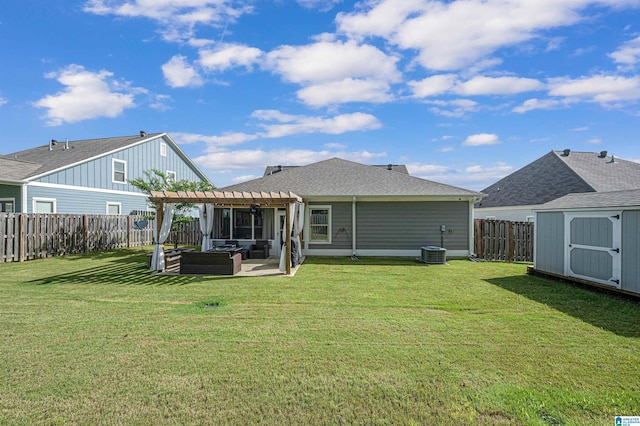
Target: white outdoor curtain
pixel 161 233
pixel 206 224
pixel 283 253
pixel 298 227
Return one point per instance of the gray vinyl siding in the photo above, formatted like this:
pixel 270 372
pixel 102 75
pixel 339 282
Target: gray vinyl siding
pixel 12 191
pixel 631 251
pixel 83 201
pixel 550 242
pixel 411 225
pixel 98 173
pixel 341 226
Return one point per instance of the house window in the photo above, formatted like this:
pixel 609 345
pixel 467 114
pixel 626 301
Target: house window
pixel 119 171
pixel 171 175
pixel 44 205
pixel 163 149
pixel 7 205
pixel 114 208
pixel 320 224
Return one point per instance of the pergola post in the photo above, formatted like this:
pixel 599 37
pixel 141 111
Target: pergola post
pixel 287 256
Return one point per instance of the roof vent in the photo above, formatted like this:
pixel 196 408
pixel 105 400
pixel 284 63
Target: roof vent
pixel 143 133
pixel 613 159
pixel 52 142
pixel 566 152
pixel 603 154
pixel 279 168
pixel 389 166
pixel 66 144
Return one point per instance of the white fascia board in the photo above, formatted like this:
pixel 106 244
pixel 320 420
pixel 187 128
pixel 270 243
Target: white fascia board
pixel 588 209
pixel 86 189
pixel 379 253
pixel 13 182
pixel 507 208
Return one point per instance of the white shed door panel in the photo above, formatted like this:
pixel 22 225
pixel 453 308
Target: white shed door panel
pixel 593 243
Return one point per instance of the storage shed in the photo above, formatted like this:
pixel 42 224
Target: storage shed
pixel 591 237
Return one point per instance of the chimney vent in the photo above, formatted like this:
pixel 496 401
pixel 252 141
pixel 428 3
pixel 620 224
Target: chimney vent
pixel 279 168
pixel 603 154
pixel 389 166
pixel 52 142
pixel 66 144
pixel 566 152
pixel 143 133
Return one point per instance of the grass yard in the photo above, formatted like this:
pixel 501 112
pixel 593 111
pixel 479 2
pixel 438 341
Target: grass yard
pixel 97 339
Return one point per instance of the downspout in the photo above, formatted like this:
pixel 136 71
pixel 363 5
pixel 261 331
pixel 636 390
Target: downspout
pixel 471 236
pixel 23 196
pixel 353 225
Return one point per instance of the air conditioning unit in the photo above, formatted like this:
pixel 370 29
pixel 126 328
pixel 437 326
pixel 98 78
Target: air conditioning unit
pixel 433 255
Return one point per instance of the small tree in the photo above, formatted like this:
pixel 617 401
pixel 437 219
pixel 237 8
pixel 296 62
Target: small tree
pixel 155 180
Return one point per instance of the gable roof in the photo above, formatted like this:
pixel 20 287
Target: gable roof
pixel 556 174
pixel 30 163
pixel 626 198
pixel 338 177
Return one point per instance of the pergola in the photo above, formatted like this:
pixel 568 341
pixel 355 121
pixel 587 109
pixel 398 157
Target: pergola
pixel 231 199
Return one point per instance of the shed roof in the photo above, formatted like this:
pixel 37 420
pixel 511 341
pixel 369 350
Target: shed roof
pixel 626 198
pixel 338 177
pixel 556 174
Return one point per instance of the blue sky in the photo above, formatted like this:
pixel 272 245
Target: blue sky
pixel 462 92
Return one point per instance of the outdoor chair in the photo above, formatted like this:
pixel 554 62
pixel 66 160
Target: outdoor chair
pixel 259 250
pixel 211 263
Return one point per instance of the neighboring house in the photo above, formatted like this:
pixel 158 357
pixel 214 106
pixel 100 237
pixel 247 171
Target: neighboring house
pixel 89 176
pixel 552 176
pixel 352 208
pixel 592 237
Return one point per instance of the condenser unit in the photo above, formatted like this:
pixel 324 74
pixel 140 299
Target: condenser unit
pixel 433 255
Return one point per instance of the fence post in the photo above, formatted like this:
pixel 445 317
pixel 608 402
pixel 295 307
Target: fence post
pixel 128 231
pixel 21 237
pixel 511 238
pixel 85 232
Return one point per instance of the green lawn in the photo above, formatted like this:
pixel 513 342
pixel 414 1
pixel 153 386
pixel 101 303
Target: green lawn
pixel 97 339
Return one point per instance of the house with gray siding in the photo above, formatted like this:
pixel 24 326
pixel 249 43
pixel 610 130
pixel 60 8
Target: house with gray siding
pixel 557 173
pixel 357 209
pixel 591 237
pixel 89 176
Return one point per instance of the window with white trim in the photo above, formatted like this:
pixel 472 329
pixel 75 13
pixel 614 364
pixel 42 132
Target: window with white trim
pixel 7 205
pixel 320 224
pixel 44 205
pixel 171 175
pixel 119 171
pixel 114 208
pixel 163 149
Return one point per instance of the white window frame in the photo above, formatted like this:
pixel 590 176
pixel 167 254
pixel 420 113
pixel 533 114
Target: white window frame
pixel 113 170
pixel 12 201
pixel 53 201
pixel 111 204
pixel 329 231
pixel 163 149
pixel 172 175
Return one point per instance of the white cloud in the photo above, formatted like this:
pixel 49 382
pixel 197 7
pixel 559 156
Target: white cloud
pixel 480 139
pixel 481 85
pixel 418 169
pixel 334 145
pixel 594 141
pixel 86 95
pixel 244 178
pixel 325 61
pixel 491 174
pixel 322 5
pixel 227 56
pixel 160 102
pixel 535 103
pixel 347 90
pixel 476 86
pixel 258 159
pixel 179 73
pixel 3 100
pixel 581 129
pixel 456 34
pixel 606 90
pixel 213 141
pixel 446 149
pixel 177 17
pixel 628 54
pixel 454 108
pixel 286 125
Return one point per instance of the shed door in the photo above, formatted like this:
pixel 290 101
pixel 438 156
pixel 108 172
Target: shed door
pixel 593 243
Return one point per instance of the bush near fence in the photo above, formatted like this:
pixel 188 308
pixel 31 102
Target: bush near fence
pixel 27 236
pixel 503 240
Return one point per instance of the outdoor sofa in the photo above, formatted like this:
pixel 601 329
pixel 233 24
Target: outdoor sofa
pixel 211 263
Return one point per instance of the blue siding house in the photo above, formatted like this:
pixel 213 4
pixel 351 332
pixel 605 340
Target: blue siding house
pixel 89 176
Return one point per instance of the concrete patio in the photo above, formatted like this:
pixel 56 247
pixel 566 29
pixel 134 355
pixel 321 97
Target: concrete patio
pixel 252 268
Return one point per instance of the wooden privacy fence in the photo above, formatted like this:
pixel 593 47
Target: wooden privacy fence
pixel 503 240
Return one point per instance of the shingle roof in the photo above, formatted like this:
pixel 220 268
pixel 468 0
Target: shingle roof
pixel 269 170
pixel 40 160
pixel 555 174
pixel 626 198
pixel 338 177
